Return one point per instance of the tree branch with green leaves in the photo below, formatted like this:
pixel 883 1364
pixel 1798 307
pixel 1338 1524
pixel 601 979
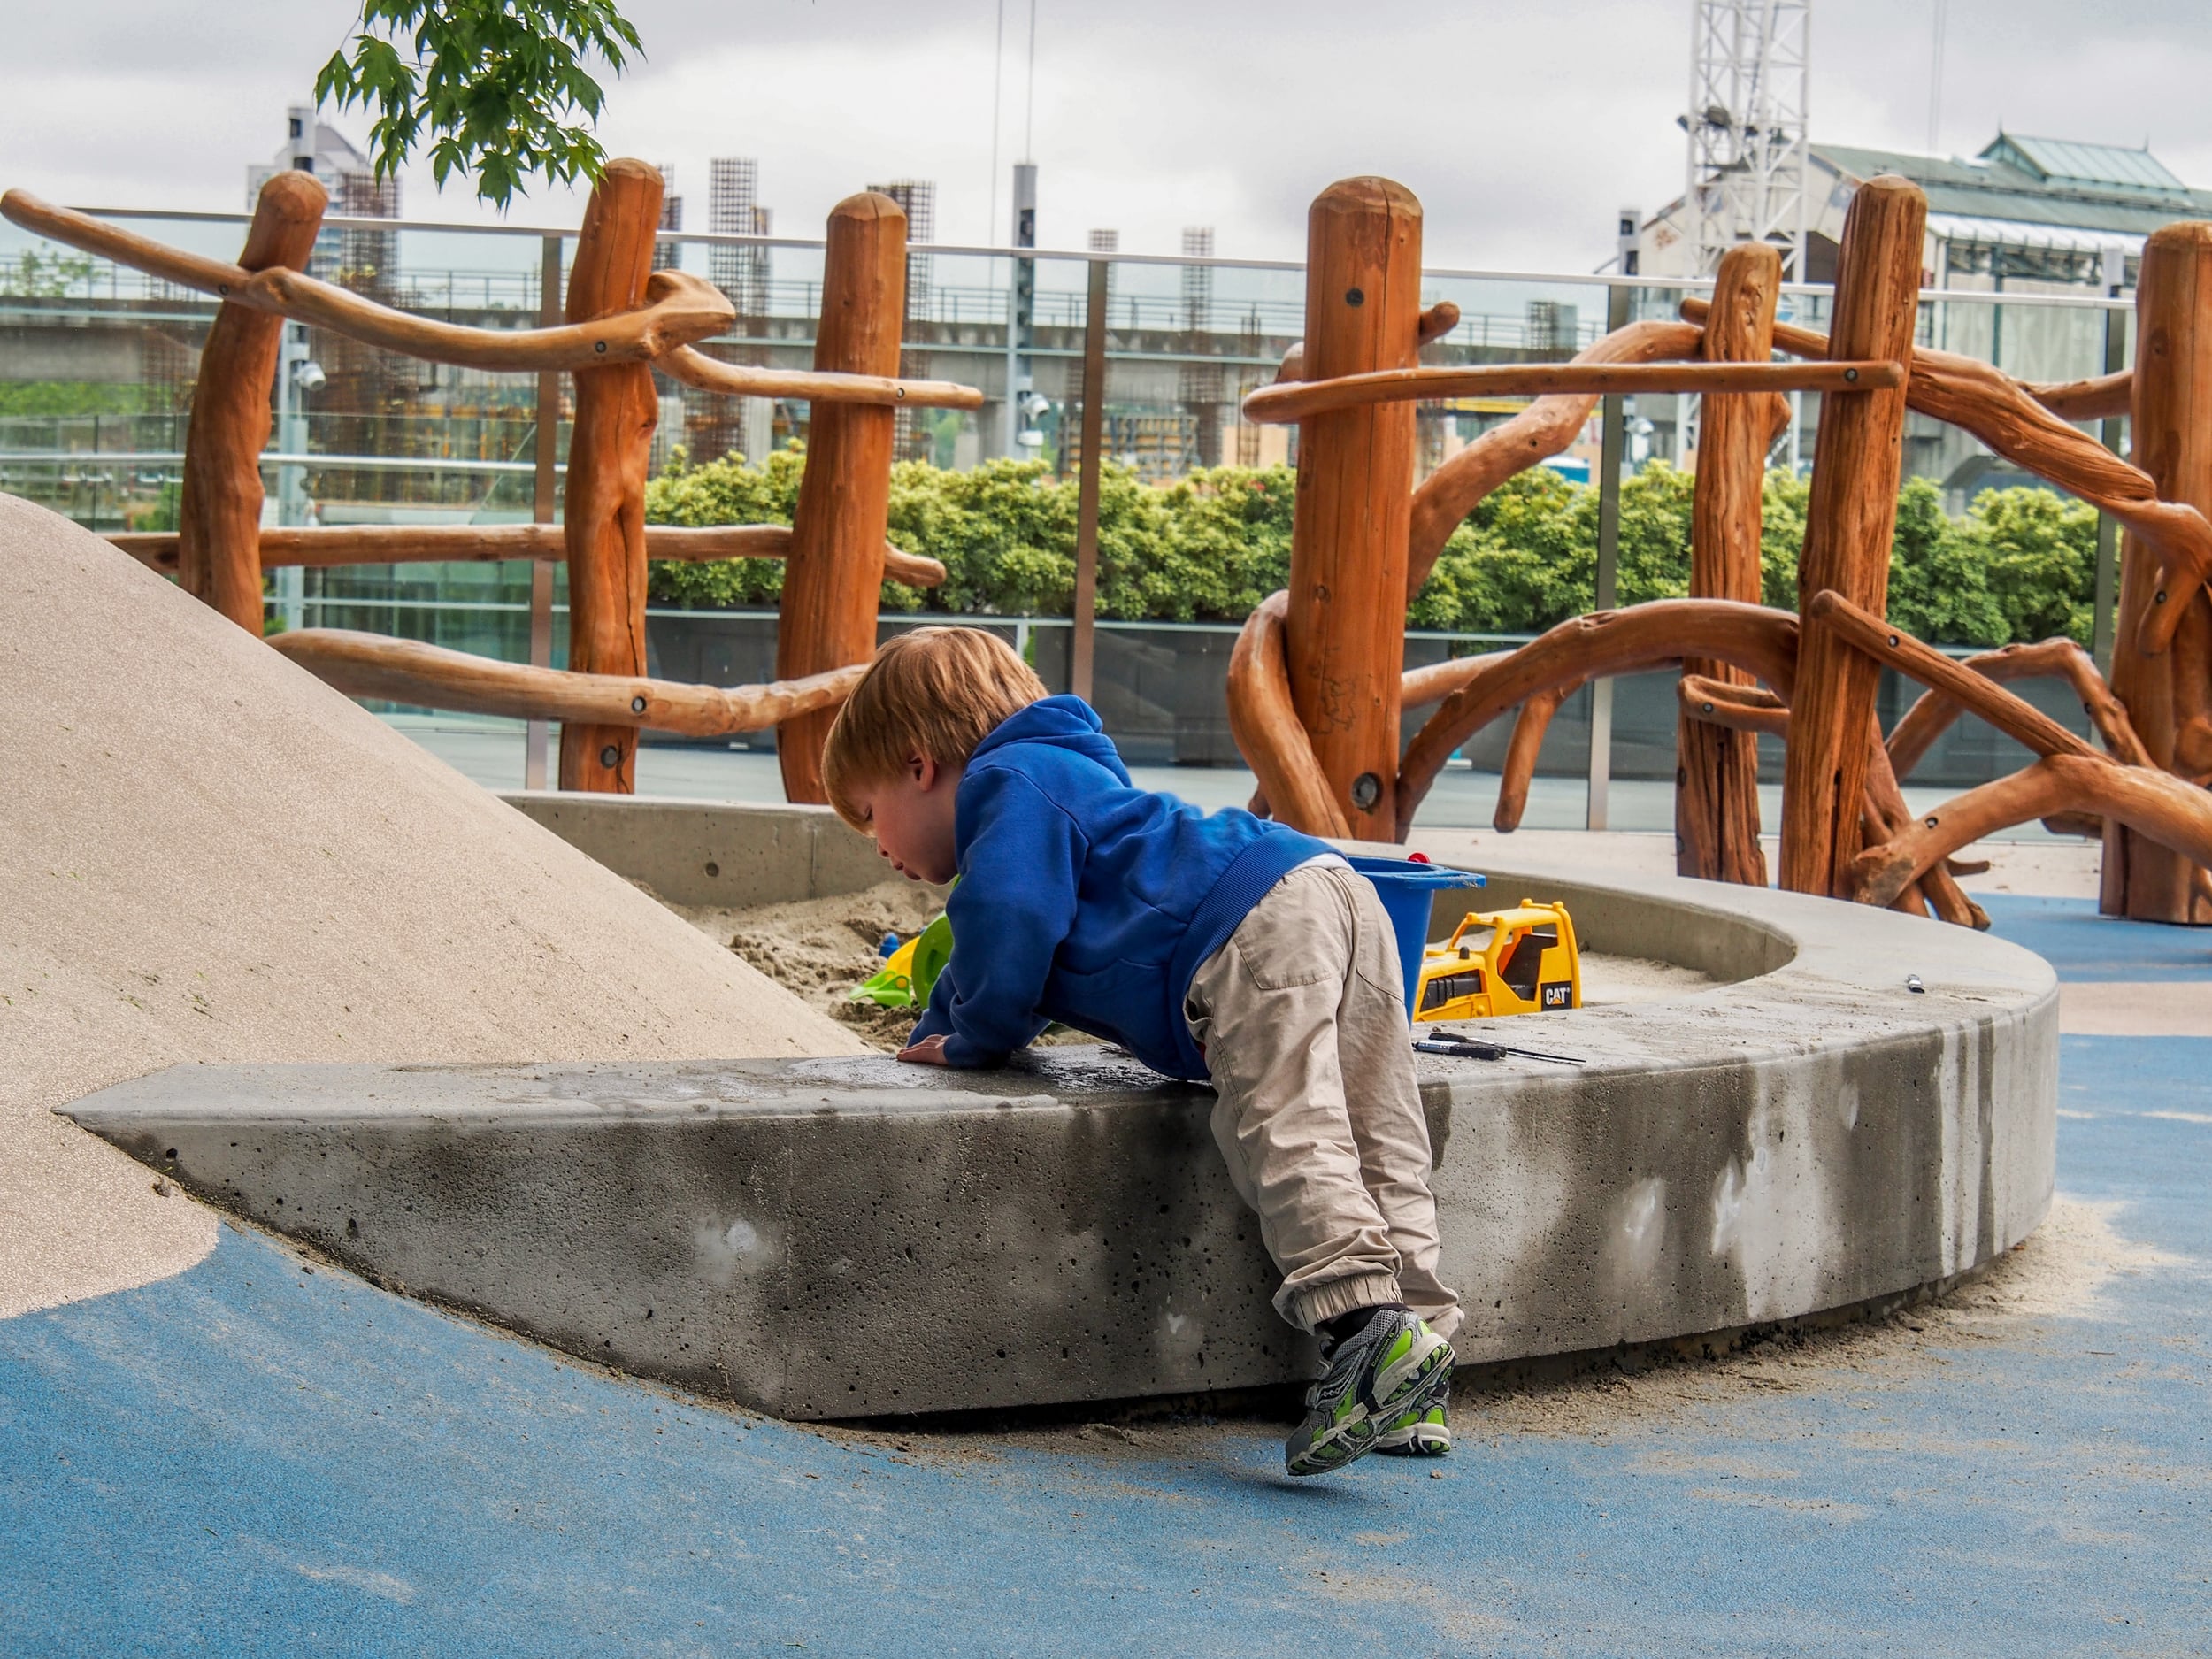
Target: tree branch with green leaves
pixel 500 88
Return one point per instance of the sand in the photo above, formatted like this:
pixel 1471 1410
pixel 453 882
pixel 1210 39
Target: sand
pixel 2116 1008
pixel 822 948
pixel 1608 981
pixel 2029 1299
pixel 212 856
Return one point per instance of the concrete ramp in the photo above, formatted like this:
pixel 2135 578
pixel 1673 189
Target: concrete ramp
pixel 206 855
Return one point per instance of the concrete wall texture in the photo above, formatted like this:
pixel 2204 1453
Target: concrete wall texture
pixel 697 853
pixel 848 1236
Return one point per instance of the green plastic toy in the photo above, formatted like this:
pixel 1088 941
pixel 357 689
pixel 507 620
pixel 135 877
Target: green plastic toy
pixel 908 977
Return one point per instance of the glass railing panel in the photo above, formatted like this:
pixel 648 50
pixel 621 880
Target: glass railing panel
pixel 92 416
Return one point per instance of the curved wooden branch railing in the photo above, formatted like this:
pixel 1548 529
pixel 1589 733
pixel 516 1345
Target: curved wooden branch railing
pixel 1264 723
pixel 710 374
pixel 2107 398
pixel 91 235
pixel 1418 688
pixel 1891 645
pixel 622 316
pixel 1302 400
pixel 2154 803
pixel 679 309
pixel 1521 751
pixel 1998 410
pixel 1737 708
pixel 1756 709
pixel 323 546
pixel 2193 750
pixel 1479 689
pixel 1543 430
pixel 1841 790
pixel 2006 415
pixel 409 670
pixel 1750 637
pixel 1933 713
pixel 1886 816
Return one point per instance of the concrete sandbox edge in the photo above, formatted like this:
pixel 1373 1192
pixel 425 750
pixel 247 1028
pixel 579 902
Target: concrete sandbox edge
pixel 837 1238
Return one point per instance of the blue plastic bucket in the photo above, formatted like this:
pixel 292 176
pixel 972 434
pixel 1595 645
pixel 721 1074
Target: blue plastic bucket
pixel 1408 891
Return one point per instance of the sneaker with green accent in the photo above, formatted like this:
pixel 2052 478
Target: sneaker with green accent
pixel 1394 1367
pixel 1418 1433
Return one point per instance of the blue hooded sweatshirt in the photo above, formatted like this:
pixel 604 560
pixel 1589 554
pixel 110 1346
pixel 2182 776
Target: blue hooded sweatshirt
pixel 1087 899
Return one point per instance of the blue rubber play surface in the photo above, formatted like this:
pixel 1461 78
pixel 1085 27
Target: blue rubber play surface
pixel 2083 945
pixel 254 1458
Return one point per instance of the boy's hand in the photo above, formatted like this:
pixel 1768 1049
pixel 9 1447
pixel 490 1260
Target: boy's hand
pixel 929 1051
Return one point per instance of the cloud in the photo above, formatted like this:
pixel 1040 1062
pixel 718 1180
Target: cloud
pixel 1522 128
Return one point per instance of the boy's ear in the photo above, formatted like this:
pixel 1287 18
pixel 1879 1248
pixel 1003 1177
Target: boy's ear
pixel 922 769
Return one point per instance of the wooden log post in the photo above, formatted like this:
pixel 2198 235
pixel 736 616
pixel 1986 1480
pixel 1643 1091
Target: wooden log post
pixel 1850 518
pixel 1345 633
pixel 2172 422
pixel 610 452
pixel 219 507
pixel 1717 770
pixel 834 576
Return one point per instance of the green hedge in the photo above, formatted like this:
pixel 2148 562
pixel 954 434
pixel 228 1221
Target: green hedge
pixel 2020 564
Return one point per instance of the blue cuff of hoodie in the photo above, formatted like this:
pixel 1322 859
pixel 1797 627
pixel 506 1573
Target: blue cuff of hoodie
pixel 958 1050
pixel 967 1057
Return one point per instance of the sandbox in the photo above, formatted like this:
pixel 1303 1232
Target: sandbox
pixel 849 1237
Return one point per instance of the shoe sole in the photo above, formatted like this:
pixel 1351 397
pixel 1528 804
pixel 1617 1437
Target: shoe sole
pixel 1342 1443
pixel 1417 1382
pixel 1428 1440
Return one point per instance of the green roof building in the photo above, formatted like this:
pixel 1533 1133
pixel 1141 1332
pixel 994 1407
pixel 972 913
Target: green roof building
pixel 2031 213
pixel 2026 216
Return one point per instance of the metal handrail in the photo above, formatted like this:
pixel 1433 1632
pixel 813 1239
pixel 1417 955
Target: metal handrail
pixel 731 239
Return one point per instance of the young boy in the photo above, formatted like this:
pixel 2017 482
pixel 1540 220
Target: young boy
pixel 1224 948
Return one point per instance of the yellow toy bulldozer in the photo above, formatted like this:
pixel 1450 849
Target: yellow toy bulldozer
pixel 1521 961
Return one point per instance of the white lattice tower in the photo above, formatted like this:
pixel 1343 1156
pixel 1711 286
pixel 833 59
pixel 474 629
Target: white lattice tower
pixel 732 209
pixel 1747 125
pixel 1202 385
pixel 918 197
pixel 668 255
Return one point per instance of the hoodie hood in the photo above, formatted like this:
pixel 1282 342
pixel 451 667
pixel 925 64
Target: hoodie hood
pixel 1065 722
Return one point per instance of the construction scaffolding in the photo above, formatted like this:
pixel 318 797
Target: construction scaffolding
pixel 918 197
pixel 1201 393
pixel 716 426
pixel 734 209
pixel 1106 243
pixel 1746 120
pixel 669 256
pixel 913 433
pixel 1553 325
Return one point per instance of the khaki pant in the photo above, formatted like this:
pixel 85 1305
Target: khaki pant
pixel 1303 1018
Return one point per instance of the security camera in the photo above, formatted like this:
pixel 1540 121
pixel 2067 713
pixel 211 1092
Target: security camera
pixel 309 376
pixel 1033 404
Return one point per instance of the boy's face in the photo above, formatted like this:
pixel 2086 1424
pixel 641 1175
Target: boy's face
pixel 912 818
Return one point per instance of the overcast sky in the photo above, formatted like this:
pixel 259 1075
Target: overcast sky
pixel 1520 126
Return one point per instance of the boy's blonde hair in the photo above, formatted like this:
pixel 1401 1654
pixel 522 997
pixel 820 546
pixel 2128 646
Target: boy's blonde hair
pixel 937 692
